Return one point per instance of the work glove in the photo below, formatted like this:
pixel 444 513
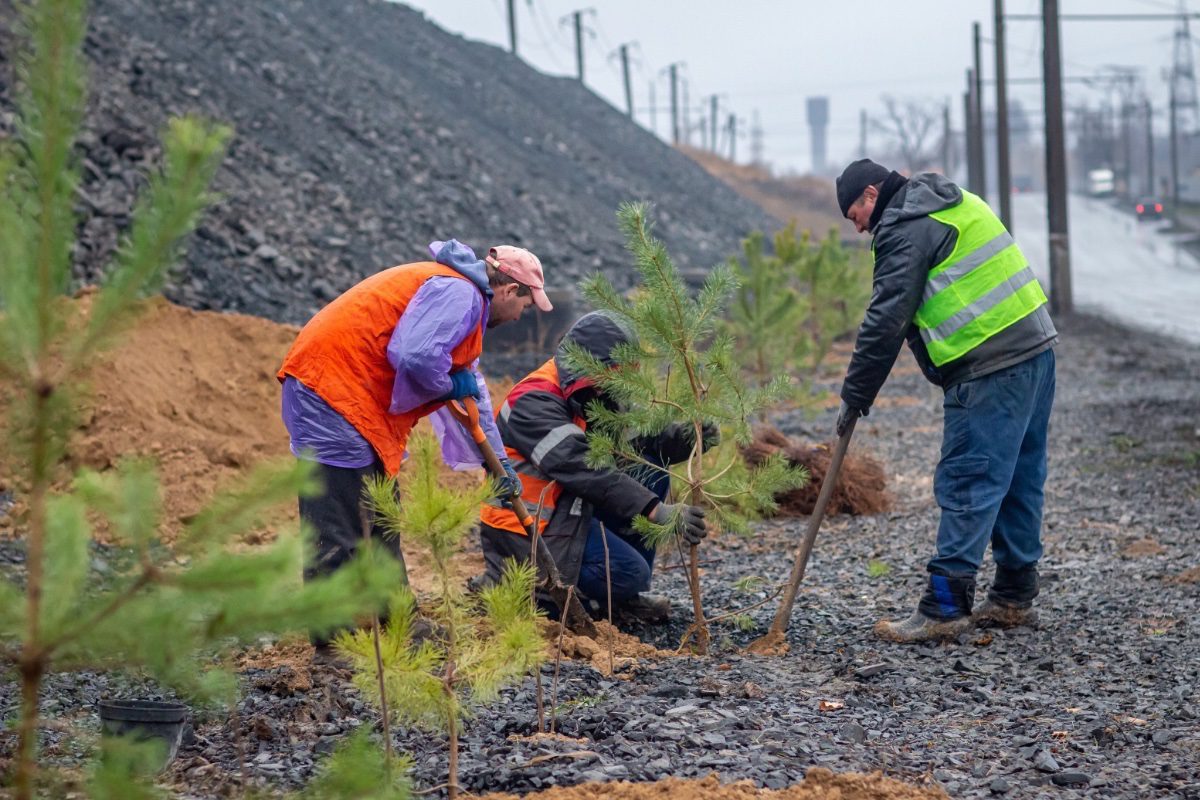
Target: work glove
pixel 690 520
pixel 508 486
pixel 848 415
pixel 462 384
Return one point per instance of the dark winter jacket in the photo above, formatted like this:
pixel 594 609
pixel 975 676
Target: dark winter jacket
pixel 541 420
pixel 907 244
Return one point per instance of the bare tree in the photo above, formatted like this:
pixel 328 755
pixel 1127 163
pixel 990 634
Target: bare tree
pixel 912 127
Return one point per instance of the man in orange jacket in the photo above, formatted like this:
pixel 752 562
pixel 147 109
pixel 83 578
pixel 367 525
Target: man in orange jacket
pixel 391 350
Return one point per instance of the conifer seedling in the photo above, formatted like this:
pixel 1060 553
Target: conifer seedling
pixel 683 369
pixel 480 644
pixel 157 617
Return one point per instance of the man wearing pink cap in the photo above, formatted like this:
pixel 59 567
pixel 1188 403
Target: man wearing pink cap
pixel 391 350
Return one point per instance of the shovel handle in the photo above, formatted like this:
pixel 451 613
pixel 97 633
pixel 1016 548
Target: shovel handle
pixel 466 411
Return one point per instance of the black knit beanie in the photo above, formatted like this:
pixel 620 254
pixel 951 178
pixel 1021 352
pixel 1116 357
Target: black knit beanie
pixel 855 179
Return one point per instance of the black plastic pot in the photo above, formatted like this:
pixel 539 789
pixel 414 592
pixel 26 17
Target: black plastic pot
pixel 145 719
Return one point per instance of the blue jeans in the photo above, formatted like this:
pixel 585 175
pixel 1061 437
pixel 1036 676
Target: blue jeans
pixel 991 477
pixel 630 560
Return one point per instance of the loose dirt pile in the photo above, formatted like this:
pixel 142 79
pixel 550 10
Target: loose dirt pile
pixel 818 784
pixel 627 651
pixel 861 485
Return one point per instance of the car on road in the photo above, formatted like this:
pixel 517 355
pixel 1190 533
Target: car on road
pixel 1148 208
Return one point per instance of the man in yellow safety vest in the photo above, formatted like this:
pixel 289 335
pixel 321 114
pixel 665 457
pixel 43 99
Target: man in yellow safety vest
pixel 950 279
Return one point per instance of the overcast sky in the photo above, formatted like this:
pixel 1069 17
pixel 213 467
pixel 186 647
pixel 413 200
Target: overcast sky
pixel 767 56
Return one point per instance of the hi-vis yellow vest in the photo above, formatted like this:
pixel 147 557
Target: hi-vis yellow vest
pixel 980 289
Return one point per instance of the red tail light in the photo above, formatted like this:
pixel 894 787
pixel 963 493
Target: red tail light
pixel 1140 208
pixel 1158 208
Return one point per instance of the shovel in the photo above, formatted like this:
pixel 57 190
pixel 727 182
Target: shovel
pixel 573 613
pixel 775 637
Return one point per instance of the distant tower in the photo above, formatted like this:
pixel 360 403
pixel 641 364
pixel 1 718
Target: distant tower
pixel 818 121
pixel 1183 76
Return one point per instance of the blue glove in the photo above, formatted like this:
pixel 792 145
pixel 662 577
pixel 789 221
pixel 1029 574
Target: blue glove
pixel 508 486
pixel 462 384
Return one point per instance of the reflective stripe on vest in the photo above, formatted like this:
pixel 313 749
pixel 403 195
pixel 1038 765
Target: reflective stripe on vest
pixel 983 286
pixel 538 491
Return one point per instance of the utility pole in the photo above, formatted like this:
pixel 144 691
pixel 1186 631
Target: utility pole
pixel 733 138
pixel 1174 135
pixel 512 26
pixel 673 69
pixel 1003 168
pixel 576 18
pixel 578 43
pixel 653 110
pixel 683 109
pixel 973 143
pixel 712 119
pixel 981 149
pixel 1149 149
pixel 946 170
pixel 1056 163
pixel 756 141
pixel 623 50
pixel 968 149
pixel 862 133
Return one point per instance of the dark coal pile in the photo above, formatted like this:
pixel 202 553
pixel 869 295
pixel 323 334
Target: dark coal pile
pixel 1101 701
pixel 363 133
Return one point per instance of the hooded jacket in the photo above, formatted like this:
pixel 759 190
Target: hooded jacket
pixel 907 244
pixel 542 423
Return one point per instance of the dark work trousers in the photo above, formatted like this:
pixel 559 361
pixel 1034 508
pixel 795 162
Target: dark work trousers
pixel 337 517
pixel 991 477
pixel 630 560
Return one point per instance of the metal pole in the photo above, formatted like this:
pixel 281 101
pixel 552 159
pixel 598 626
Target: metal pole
pixel 733 138
pixel 969 134
pixel 1056 163
pixel 1174 134
pixel 967 166
pixel 712 119
pixel 653 110
pixel 980 149
pixel 1003 167
pixel 674 104
pixel 579 43
pixel 1149 149
pixel 946 170
pixel 628 85
pixel 512 26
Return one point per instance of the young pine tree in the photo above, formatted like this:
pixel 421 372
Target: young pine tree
pixel 482 643
pixel 155 616
pixel 683 369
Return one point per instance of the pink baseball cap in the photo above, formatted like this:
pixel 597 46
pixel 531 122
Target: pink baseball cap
pixel 523 267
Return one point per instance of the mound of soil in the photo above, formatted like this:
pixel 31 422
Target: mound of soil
pixel 818 784
pixel 626 650
pixel 861 485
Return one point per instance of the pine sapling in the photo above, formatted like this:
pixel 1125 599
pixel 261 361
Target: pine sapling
pixel 156 616
pixel 481 643
pixel 681 370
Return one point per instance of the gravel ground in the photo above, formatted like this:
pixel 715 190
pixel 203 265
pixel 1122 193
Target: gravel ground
pixel 1101 701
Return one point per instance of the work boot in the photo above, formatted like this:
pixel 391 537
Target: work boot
pixel 943 613
pixel 993 613
pixel 1010 599
pixel 648 608
pixel 920 628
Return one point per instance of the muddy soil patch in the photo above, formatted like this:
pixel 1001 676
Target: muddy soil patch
pixel 818 784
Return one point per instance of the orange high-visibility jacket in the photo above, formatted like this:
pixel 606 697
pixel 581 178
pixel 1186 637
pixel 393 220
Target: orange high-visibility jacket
pixel 341 354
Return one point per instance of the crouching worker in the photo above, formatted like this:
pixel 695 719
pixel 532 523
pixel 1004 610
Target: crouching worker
pixel 542 424
pixel 391 350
